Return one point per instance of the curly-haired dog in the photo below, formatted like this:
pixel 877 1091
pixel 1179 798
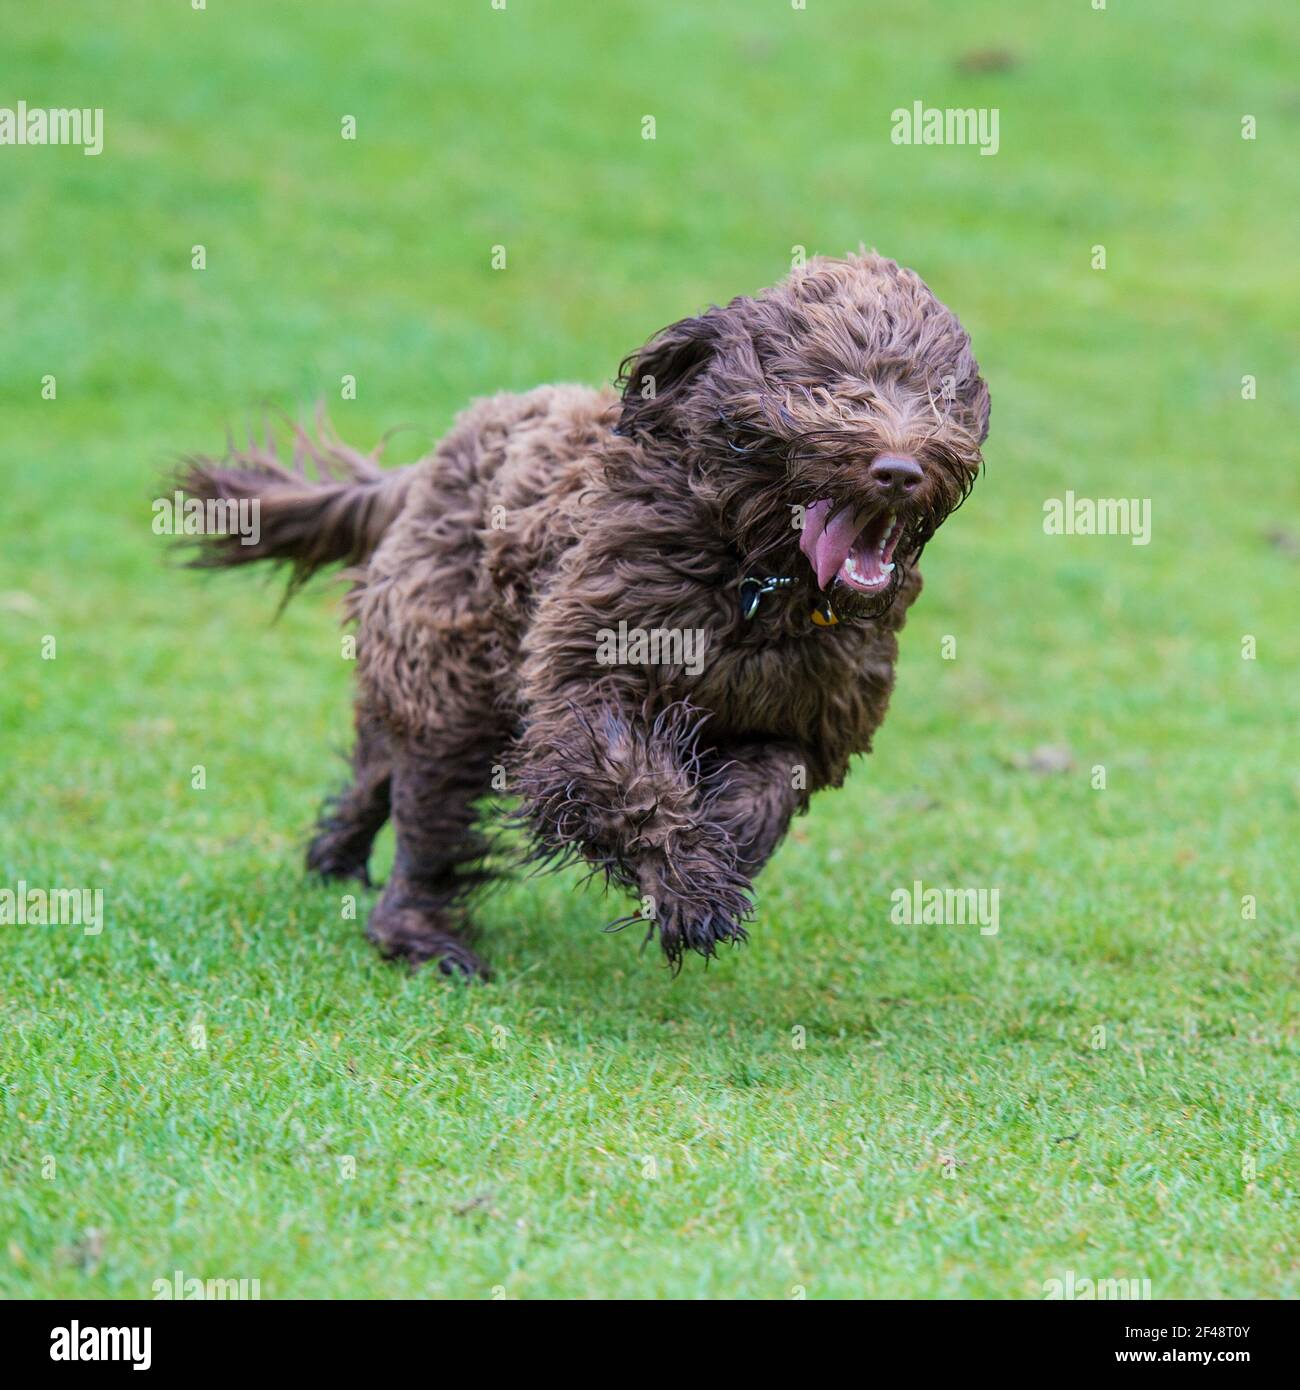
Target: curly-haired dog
pixel 665 615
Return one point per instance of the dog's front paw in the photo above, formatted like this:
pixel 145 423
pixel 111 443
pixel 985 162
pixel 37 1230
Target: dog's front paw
pixel 699 929
pixel 713 912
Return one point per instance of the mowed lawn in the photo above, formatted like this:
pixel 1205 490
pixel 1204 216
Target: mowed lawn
pixel 226 1081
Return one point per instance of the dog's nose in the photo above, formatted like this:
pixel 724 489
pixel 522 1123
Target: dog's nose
pixel 895 473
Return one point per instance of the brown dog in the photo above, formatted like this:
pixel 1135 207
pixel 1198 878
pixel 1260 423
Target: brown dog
pixel 662 618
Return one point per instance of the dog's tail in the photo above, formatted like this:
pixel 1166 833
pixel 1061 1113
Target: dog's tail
pixel 256 508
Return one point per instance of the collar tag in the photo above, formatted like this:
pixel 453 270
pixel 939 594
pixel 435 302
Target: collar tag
pixel 824 615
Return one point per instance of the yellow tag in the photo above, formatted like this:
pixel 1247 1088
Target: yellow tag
pixel 824 616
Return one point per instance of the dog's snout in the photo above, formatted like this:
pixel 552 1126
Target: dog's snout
pixel 896 474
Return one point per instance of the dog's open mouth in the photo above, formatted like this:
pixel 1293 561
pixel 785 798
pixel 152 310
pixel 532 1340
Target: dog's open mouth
pixel 857 550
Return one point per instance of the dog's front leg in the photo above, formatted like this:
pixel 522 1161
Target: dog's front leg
pixel 630 796
pixel 760 787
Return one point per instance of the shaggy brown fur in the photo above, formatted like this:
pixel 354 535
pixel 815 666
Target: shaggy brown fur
pixel 808 434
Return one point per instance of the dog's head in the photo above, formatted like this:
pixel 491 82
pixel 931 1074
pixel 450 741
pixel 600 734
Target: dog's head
pixel 836 419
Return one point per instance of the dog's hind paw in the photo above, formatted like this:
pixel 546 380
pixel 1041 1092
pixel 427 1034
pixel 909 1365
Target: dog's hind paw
pixel 418 937
pixel 337 855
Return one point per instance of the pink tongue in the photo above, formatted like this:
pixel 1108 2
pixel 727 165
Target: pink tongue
pixel 827 542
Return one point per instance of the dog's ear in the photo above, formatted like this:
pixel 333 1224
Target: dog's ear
pixel 980 409
pixel 656 379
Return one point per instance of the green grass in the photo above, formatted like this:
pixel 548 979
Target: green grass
pixel 584 1125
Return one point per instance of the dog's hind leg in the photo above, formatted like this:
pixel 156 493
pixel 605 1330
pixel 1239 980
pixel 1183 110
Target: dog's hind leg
pixel 349 822
pixel 439 854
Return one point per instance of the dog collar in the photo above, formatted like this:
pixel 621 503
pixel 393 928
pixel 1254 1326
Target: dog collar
pixel 753 591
